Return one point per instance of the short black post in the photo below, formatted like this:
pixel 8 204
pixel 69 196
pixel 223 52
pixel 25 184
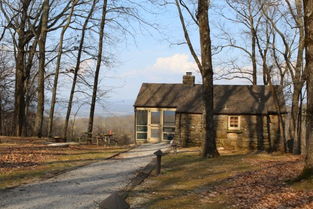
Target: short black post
pixel 159 154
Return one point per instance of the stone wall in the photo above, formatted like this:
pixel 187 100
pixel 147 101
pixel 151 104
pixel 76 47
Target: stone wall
pixel 257 132
pixel 188 129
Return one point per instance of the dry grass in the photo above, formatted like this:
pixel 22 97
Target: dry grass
pixel 230 181
pixel 27 162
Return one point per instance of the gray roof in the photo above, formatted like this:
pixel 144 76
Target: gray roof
pixel 228 99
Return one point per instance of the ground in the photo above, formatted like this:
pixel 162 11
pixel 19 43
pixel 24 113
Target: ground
pixel 84 187
pixel 234 180
pixel 26 160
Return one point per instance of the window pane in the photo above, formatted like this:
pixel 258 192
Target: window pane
pixel 142 128
pixel 155 117
pixel 169 118
pixel 169 129
pixel 141 135
pixel 155 133
pixel 142 117
pixel 234 122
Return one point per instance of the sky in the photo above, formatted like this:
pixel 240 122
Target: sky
pixel 153 57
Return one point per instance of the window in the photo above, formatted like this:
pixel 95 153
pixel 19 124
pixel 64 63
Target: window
pixel 155 117
pixel 169 118
pixel 141 135
pixel 142 117
pixel 141 124
pixel 234 122
pixel 168 124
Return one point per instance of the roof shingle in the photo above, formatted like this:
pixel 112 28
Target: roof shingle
pixel 228 99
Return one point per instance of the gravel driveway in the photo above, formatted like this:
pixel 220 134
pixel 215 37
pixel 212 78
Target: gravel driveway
pixel 84 187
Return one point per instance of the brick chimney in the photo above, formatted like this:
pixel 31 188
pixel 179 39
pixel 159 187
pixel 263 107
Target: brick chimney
pixel 189 79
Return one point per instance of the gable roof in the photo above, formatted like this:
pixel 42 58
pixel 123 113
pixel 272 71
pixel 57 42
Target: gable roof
pixel 228 99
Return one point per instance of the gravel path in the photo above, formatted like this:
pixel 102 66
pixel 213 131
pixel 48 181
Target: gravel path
pixel 84 187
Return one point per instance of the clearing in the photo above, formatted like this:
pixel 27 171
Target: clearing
pixel 84 187
pixel 240 181
pixel 24 160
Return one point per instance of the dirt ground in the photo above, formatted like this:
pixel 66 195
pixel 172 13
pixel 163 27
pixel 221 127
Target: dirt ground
pixel 84 187
pixel 23 161
pixel 242 181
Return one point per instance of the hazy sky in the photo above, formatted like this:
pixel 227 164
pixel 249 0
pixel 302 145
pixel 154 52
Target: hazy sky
pixel 154 56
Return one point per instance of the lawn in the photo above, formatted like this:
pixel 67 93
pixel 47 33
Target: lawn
pixel 234 180
pixel 27 162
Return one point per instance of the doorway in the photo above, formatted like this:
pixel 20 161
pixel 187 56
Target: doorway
pixel 155 126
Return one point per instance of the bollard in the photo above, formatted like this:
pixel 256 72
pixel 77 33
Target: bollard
pixel 159 154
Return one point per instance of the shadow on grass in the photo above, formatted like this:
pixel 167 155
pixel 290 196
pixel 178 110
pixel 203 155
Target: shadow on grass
pixel 17 165
pixel 188 174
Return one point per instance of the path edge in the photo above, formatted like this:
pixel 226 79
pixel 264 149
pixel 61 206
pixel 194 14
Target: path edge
pixel 141 175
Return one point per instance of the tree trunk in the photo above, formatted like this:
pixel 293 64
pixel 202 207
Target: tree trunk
pixel 41 70
pixel 28 83
pixel 209 144
pixel 1 118
pixel 57 72
pixel 19 105
pixel 297 82
pixel 78 60
pixel 253 56
pixel 98 66
pixel 295 118
pixel 299 85
pixel 308 22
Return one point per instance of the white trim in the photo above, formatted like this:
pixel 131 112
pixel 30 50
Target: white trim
pixel 154 108
pixel 151 126
pixel 228 123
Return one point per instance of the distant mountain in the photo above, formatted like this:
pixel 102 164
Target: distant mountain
pixel 110 108
pixel 116 108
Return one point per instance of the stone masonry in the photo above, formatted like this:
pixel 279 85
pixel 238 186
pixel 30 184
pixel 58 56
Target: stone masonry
pixel 257 132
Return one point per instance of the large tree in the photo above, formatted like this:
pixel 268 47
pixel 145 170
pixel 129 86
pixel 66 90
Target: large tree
pixel 308 22
pixel 16 16
pixel 41 70
pixel 204 64
pixel 209 142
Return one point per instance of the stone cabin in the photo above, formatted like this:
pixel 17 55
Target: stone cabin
pixel 245 116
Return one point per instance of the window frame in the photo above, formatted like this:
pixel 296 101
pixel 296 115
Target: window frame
pixel 238 124
pixel 139 132
pixel 161 123
pixel 173 125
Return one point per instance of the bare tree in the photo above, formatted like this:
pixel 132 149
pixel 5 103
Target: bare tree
pixel 209 143
pixel 264 40
pixel 6 91
pixel 24 22
pixel 17 21
pixel 41 71
pixel 209 148
pixel 57 68
pixel 98 66
pixel 247 13
pixel 77 67
pixel 308 21
pixel 295 68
